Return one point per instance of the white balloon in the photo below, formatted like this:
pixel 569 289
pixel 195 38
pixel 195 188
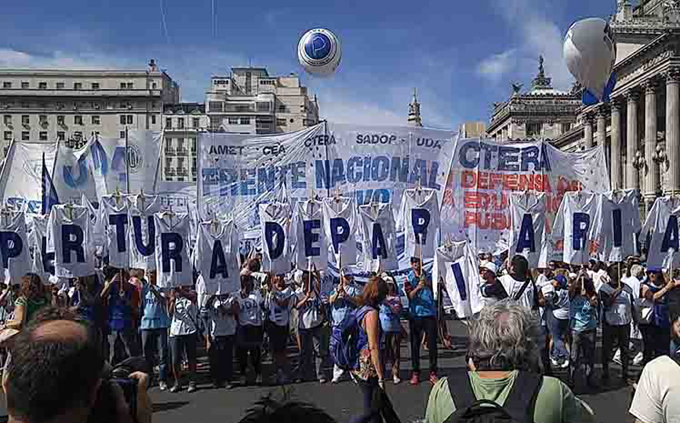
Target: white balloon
pixel 590 53
pixel 319 52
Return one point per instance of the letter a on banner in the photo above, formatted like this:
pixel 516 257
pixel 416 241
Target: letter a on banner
pixel 172 256
pixel 528 236
pixel 216 255
pixel 379 237
pixel 275 221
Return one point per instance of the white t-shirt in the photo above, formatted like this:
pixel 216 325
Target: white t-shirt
pixel 512 287
pixel 280 315
pixel 222 322
pixel 250 312
pixel 620 312
pixel 115 217
pixel 634 284
pixel 184 317
pixel 142 232
pixel 584 206
pixel 310 315
pixel 76 257
pixel 172 250
pixel 657 394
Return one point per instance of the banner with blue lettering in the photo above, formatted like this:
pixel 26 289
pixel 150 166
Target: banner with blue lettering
pixel 457 268
pixel 483 173
pixel 21 178
pixel 14 247
pixel 662 232
pixel 239 172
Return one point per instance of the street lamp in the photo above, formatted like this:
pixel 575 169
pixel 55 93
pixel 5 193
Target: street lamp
pixel 661 157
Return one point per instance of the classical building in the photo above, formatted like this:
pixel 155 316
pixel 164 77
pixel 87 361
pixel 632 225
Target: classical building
pixel 542 112
pixel 182 123
pixel 74 105
pixel 640 127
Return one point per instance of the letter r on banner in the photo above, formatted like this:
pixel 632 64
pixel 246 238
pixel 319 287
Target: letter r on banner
pixel 72 238
pixel 311 237
pixel 420 219
pixel 11 246
pixel 670 237
pixel 527 239
pixel 145 250
pixel 339 232
pixel 580 230
pixel 274 236
pixel 171 250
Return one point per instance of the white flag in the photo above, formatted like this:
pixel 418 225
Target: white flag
pixel 340 225
pixel 456 266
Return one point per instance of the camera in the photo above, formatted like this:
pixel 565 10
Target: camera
pixel 105 410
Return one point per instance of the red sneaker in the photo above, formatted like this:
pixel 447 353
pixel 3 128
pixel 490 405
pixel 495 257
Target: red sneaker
pixel 433 378
pixel 415 378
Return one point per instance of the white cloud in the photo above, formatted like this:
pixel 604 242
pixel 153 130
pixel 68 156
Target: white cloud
pixel 496 66
pixel 538 34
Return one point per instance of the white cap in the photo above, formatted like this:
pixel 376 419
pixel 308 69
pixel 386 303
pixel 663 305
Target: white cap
pixel 491 267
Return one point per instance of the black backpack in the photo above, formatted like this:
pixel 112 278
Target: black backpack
pixel 518 408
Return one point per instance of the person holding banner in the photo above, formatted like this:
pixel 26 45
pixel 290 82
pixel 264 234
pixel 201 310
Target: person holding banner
pixel 154 327
pixel 313 330
pixel 250 331
pixel 280 302
pixel 390 312
pixel 656 334
pixel 122 299
pixel 423 318
pixel 183 335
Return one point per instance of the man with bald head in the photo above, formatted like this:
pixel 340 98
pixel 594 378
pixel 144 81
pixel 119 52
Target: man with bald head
pixel 55 374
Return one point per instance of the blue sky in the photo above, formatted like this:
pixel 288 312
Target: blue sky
pixel 461 55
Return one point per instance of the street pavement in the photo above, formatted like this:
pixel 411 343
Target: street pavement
pixel 343 400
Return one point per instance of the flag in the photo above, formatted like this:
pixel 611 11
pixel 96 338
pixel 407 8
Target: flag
pixel 49 193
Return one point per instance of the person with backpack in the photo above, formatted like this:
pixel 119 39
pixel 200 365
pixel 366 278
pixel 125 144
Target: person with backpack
pixel 390 323
pixel 657 392
pixel 499 384
pixel 343 299
pixel 368 373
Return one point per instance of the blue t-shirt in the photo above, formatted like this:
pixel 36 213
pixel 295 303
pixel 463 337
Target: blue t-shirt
pixel 154 315
pixel 423 304
pixel 341 306
pixel 389 321
pixel 120 312
pixel 583 314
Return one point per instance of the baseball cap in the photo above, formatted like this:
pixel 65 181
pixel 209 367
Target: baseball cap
pixel 491 267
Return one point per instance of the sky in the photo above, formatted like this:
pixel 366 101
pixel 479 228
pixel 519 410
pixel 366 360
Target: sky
pixel 461 55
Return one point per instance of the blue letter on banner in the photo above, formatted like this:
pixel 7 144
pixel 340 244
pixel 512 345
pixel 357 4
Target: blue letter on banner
pixel 145 250
pixel 273 230
pixel 119 221
pixel 527 237
pixel 378 242
pixel 420 219
pixel 670 237
pixel 218 265
pixel 580 230
pixel 11 246
pixel 618 228
pixel 460 281
pixel 339 232
pixel 175 253
pixel 75 244
pixel 311 237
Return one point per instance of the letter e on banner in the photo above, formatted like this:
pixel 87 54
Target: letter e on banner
pixel 311 237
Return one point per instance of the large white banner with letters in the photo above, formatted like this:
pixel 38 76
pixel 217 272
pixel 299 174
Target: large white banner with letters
pixel 476 203
pixel 239 172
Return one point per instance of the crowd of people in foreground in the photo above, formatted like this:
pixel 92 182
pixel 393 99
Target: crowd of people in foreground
pixel 529 327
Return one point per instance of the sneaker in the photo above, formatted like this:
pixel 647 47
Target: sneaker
pixel 565 365
pixel 396 380
pixel 322 380
pixel 415 378
pixel 335 380
pixel 617 357
pixel 637 360
pixel 175 388
pixel 192 387
pixel 162 386
pixel 433 378
pixel 229 386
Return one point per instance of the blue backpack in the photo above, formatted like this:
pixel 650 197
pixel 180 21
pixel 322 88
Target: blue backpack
pixel 348 339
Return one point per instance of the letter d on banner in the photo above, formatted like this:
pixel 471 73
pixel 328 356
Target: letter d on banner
pixel 274 236
pixel 420 219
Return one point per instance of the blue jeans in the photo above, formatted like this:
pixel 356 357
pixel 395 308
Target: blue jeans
pixel 155 341
pixel 370 391
pixel 558 329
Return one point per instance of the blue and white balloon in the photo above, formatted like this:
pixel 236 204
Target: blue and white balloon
pixel 590 53
pixel 319 52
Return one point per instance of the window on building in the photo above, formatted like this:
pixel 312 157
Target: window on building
pixel 281 122
pixel 78 120
pixel 123 85
pixel 77 85
pixel 42 119
pixel 25 120
pixel 95 85
pixel 154 86
pixel 215 106
pixel 193 145
pixel 168 163
pixel 130 85
pixel 8 136
pixel 534 129
pixel 153 119
pixel 282 108
pixel 6 84
pixel 61 136
pixel 196 123
pixel 233 121
pixel 245 121
pixel 566 127
pixel 180 123
pixel 7 119
pixel 180 166
pixel 263 106
pixel 266 82
pixel 168 123
pixel 121 135
pixel 60 85
pixel 193 165
pixel 96 120
pixel 42 135
pixel 60 120
pixel 25 104
pixel 42 85
pixel 129 119
pixel 123 120
pixel 25 136
pixel 25 85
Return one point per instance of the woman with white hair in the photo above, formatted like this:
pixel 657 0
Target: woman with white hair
pixel 502 350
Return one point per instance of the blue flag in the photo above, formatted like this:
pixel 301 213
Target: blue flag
pixel 49 193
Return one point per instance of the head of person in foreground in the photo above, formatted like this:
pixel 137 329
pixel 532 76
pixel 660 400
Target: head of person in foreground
pixel 269 410
pixel 503 338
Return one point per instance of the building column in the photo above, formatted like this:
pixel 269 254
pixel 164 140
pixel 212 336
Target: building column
pixel 615 150
pixel 672 129
pixel 632 140
pixel 651 169
pixel 588 131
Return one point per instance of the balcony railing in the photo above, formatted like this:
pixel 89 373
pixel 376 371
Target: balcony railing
pixel 169 151
pixel 182 151
pixel 169 171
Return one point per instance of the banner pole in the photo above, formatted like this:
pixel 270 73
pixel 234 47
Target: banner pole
pixel 127 161
pixel 328 163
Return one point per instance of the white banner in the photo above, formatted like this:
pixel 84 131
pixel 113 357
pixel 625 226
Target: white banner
pixel 21 179
pixel 484 172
